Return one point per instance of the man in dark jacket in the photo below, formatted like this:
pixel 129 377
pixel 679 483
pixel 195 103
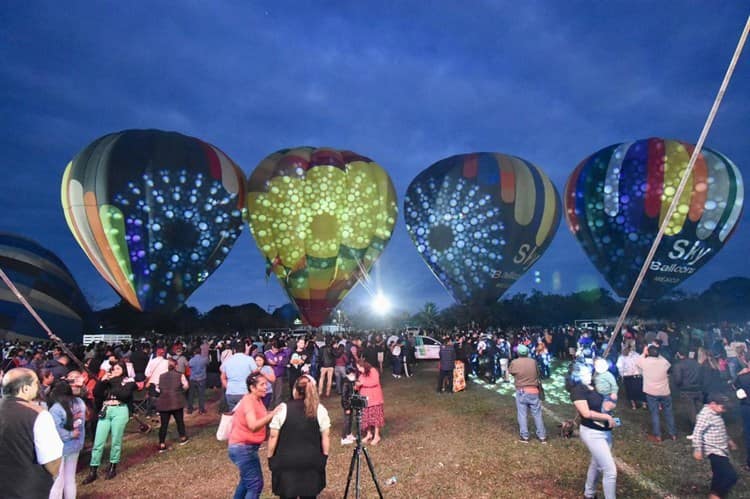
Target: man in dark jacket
pixel 447 361
pixel 688 379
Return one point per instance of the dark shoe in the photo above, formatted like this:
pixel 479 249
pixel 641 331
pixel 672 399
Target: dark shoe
pixel 523 440
pixel 162 448
pixel 111 472
pixel 184 440
pixel 653 438
pixel 91 476
pixel 673 437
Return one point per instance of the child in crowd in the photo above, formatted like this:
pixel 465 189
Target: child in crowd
pixel 347 389
pixel 606 385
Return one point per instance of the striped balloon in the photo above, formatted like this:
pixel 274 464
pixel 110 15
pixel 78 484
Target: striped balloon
pixel 156 213
pixel 480 221
pixel 617 198
pixel 48 286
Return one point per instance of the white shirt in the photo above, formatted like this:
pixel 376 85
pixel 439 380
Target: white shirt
pixel 324 421
pixel 47 443
pixel 155 368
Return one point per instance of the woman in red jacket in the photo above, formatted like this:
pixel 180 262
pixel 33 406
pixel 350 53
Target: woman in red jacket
pixel 373 417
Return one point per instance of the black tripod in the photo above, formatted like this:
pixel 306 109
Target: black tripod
pixel 356 457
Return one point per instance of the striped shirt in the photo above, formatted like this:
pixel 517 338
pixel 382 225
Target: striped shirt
pixel 710 434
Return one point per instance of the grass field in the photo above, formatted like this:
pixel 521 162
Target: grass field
pixel 460 445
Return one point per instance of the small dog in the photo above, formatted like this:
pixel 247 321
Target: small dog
pixel 567 428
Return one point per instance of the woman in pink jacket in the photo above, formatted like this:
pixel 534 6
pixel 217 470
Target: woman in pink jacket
pixel 373 417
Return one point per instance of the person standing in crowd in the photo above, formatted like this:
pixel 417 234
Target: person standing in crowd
pixel 526 380
pixel 213 372
pixel 327 364
pixel 267 371
pixel 171 403
pixel 276 359
pixel 631 375
pixel 656 387
pixel 595 429
pixel 710 439
pixel 30 449
pixel 69 414
pixel 347 390
pixel 688 380
pixel 339 366
pixel 297 361
pixel 198 364
pixel 234 373
pixel 117 391
pixel 373 416
pixel 446 364
pixel 139 359
pixel 157 366
pixel 299 443
pixel 247 434
pixel 380 349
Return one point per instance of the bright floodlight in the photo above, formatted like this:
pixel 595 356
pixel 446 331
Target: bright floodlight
pixel 381 304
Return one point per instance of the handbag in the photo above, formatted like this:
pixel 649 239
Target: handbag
pixel 225 426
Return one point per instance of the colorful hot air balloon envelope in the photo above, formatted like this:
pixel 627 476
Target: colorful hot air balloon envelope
pixel 616 199
pixel 156 213
pixel 321 217
pixel 480 221
pixel 48 286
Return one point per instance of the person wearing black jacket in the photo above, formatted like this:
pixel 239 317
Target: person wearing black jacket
pixel 347 389
pixel 447 360
pixel 688 379
pixel 139 358
pixel 117 391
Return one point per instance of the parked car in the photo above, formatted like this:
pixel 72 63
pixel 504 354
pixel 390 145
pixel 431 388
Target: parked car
pixel 427 348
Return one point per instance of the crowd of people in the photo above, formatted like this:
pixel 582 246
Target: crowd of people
pixel 275 388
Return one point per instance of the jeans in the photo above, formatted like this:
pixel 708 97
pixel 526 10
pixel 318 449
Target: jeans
pixel 197 387
pixel 115 420
pixel 339 373
pixel 245 457
pixel 233 400
pixel 524 402
pixel 653 408
pixel 65 483
pixel 693 402
pixel 599 446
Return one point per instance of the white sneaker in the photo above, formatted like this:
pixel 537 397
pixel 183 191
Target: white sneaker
pixel 346 441
pixel 689 437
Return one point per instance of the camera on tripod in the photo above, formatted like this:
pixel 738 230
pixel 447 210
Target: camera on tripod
pixel 357 401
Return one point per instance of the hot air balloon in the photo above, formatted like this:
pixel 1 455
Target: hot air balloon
pixel 480 221
pixel 321 217
pixel 48 286
pixel 156 213
pixel 616 199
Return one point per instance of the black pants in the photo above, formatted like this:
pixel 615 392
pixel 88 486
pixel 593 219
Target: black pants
pixel 724 477
pixel 347 430
pixel 441 380
pixel 165 423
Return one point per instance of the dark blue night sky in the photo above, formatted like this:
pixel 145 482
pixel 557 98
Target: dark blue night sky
pixel 404 83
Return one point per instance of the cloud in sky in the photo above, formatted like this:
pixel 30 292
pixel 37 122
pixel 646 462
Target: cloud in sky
pixel 405 83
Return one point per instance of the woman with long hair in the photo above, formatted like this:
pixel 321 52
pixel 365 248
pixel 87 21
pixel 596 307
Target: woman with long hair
pixel 596 429
pixel 116 389
pixel 299 443
pixel 171 403
pixel 69 413
pixel 373 416
pixel 248 432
